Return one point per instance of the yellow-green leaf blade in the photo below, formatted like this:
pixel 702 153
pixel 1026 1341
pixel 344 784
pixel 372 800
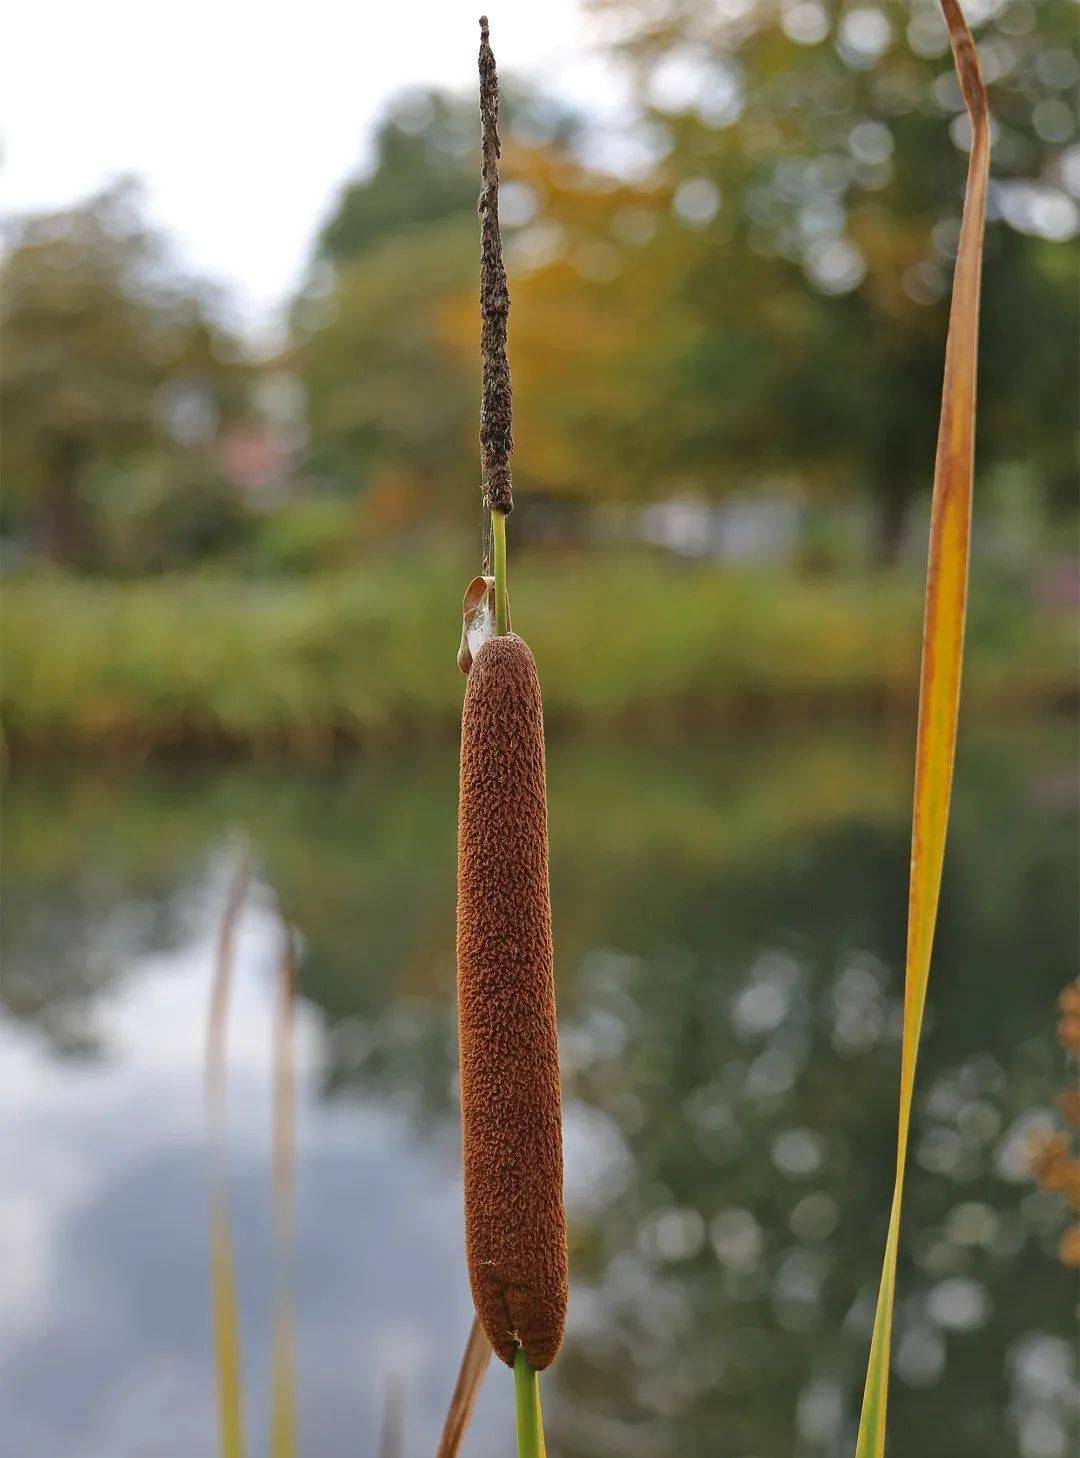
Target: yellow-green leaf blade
pixel 226 1333
pixel 226 1325
pixel 939 688
pixel 283 1357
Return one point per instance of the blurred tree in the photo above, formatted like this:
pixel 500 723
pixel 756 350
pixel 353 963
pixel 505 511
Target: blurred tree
pixel 115 379
pixel 388 398
pixel 598 318
pixel 423 173
pixel 808 142
pixel 767 297
pixel 426 167
pixel 390 370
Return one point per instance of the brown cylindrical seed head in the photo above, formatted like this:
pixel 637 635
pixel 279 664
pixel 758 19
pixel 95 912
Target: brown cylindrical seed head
pixel 511 1108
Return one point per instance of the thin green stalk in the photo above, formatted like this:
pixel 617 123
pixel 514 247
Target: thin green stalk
pixel 498 530
pixel 283 1350
pixel 530 1427
pixel 227 1359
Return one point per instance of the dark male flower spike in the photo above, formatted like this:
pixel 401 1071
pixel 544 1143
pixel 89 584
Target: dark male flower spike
pixel 496 405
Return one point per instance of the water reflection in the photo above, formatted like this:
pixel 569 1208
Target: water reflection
pixel 729 926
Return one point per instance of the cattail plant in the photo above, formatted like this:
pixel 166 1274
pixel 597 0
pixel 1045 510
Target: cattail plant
pixel 515 1228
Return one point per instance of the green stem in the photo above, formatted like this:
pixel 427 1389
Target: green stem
pixel 530 1430
pixel 498 530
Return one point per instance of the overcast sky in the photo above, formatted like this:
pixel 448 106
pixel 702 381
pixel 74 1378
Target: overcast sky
pixel 243 119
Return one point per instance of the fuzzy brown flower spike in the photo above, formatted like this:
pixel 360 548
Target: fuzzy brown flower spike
pixel 515 1228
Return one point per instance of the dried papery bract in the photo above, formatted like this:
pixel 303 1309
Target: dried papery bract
pixel 474 1363
pixel 515 1229
pixel 939 686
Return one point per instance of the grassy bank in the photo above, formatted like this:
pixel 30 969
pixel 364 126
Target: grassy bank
pixel 307 663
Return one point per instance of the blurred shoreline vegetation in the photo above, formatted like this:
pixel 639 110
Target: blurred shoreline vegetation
pixel 729 302
pixel 308 665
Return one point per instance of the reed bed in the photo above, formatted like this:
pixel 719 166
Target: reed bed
pixel 199 664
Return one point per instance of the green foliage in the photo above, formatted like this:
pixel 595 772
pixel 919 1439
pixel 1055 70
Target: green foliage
pixel 812 178
pixel 423 173
pixel 387 397
pixel 425 165
pixel 161 508
pixel 310 536
pixel 115 380
pixel 385 329
pixel 201 660
pixel 767 299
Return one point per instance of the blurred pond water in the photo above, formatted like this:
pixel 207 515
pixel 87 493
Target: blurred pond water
pixel 729 933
